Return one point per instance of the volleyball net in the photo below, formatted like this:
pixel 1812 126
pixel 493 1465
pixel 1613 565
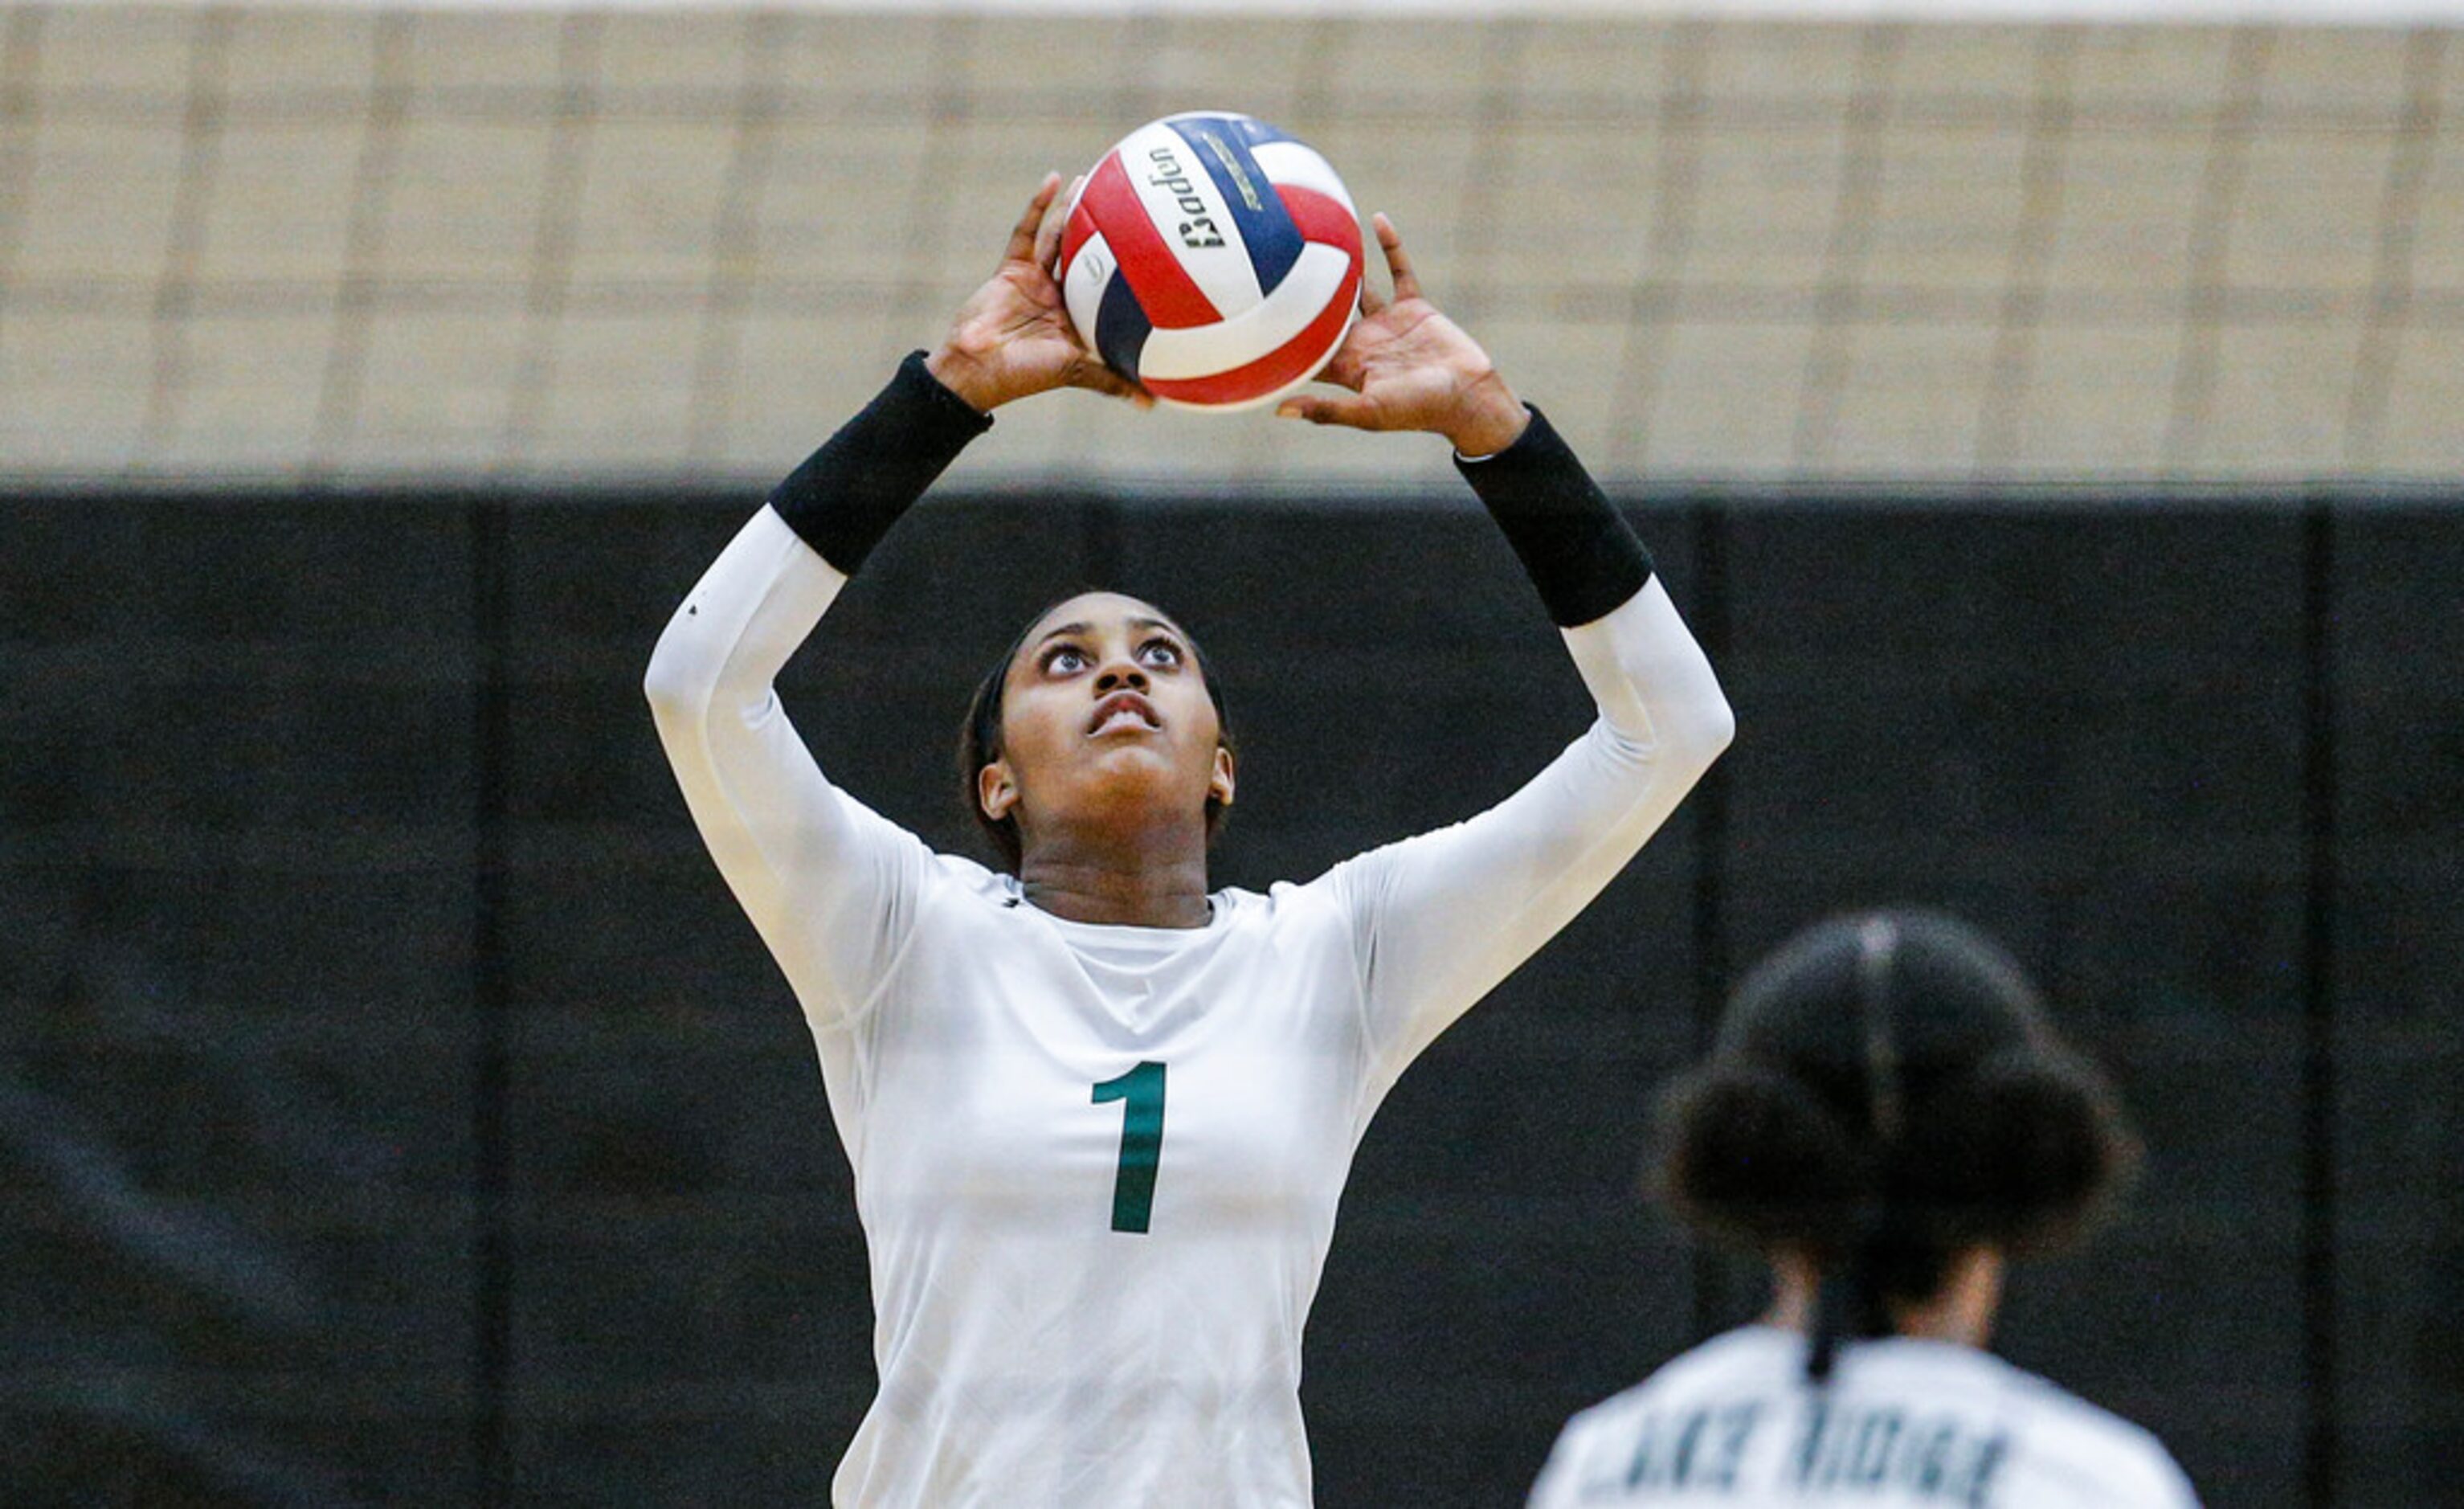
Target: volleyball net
pixel 362 242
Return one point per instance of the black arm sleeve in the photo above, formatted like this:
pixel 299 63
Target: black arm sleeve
pixel 849 493
pixel 1580 553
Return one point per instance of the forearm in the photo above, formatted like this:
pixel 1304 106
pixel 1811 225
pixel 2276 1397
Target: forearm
pixel 758 600
pixel 725 644
pixel 848 494
pixel 1578 551
pixel 1663 717
pixel 1654 689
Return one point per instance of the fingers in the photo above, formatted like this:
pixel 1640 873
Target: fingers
pixel 1370 299
pixel 1047 237
pixel 1021 235
pixel 1399 263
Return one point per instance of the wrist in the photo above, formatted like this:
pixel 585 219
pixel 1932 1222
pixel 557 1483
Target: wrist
pixel 848 494
pixel 964 376
pixel 1579 550
pixel 1492 419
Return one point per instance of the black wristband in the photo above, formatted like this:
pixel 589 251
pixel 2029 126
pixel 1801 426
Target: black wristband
pixel 1577 548
pixel 849 493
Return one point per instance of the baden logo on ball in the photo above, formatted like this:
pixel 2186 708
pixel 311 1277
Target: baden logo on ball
pixel 1212 259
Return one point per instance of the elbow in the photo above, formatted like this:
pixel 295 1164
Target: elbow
pixel 661 683
pixel 1718 730
pixel 1687 743
pixel 1704 725
pixel 1707 735
pixel 1675 746
pixel 692 684
pixel 675 683
pixel 1682 735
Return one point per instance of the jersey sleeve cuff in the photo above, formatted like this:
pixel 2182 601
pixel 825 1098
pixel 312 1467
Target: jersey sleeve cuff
pixel 1576 547
pixel 849 493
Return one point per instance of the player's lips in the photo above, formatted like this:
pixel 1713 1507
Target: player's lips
pixel 1123 711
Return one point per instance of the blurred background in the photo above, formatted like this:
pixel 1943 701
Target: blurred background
pixel 2048 416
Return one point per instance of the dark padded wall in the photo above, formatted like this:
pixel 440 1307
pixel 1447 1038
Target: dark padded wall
pixel 393 1101
pixel 2396 881
pixel 237 1098
pixel 2083 731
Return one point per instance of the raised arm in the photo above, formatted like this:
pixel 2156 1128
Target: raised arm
pixel 1442 918
pixel 824 880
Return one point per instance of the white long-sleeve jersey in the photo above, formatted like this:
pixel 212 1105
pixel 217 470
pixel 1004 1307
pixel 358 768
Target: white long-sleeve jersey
pixel 1097 1166
pixel 1903 1424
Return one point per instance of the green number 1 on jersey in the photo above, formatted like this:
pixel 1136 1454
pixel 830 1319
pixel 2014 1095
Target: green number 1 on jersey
pixel 1141 1143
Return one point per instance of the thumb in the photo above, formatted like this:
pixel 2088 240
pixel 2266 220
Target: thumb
pixel 1089 373
pixel 1331 409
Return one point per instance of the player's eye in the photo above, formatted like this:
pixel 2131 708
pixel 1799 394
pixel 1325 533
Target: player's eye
pixel 1065 659
pixel 1161 652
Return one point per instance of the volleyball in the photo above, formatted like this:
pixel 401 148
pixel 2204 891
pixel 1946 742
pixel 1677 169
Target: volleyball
pixel 1213 261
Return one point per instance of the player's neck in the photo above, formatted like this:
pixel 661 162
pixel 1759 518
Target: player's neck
pixel 1961 1311
pixel 1086 885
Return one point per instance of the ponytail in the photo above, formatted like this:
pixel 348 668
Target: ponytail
pixel 1848 1296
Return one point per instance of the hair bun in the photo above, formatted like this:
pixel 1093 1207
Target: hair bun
pixel 2023 1152
pixel 1756 1155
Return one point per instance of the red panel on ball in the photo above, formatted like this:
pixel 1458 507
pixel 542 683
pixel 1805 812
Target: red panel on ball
pixel 1278 367
pixel 1321 217
pixel 1075 233
pixel 1171 299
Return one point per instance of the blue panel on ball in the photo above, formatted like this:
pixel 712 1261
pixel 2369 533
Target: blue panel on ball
pixel 1222 144
pixel 1121 327
pixel 1256 132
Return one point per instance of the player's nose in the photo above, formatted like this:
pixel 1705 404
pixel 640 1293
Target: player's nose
pixel 1120 671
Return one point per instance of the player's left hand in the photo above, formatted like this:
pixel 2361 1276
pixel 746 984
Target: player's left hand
pixel 1410 367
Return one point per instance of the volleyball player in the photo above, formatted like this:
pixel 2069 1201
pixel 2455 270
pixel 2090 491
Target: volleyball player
pixel 1099 1113
pixel 1887 1120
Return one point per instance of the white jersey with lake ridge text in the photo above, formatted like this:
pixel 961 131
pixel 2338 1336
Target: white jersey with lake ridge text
pixel 1903 1424
pixel 1097 1167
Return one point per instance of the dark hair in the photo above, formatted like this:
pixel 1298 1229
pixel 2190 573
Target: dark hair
pixel 1885 1094
pixel 980 738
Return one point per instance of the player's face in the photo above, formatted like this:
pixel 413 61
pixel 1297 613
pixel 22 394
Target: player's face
pixel 1106 721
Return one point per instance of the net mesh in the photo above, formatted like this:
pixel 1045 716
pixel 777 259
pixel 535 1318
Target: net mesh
pixel 342 244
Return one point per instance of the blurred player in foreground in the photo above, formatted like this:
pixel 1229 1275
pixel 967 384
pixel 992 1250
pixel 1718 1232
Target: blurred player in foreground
pixel 1887 1118
pixel 1099 1116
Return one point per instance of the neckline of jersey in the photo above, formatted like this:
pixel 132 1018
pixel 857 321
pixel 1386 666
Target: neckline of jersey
pixel 1217 913
pixel 1872 1345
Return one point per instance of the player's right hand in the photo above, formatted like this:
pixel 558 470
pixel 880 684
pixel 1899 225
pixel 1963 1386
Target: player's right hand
pixel 1013 338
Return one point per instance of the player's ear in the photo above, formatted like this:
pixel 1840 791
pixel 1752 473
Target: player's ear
pixel 996 789
pixel 1219 785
